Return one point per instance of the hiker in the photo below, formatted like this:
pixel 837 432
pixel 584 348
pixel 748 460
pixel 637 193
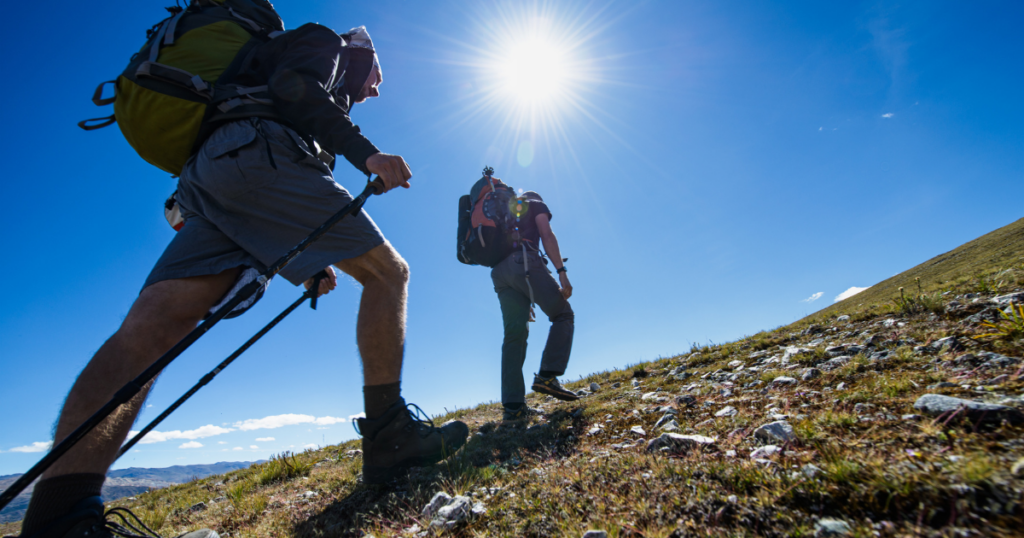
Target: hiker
pixel 500 230
pixel 255 187
pixel 517 293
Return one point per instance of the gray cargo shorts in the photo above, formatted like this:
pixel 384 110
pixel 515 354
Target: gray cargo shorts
pixel 241 211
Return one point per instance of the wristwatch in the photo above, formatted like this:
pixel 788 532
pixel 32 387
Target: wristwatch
pixel 562 269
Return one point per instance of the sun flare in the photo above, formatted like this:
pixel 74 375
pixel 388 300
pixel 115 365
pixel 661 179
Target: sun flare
pixel 533 69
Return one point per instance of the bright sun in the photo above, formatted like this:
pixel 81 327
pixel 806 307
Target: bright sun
pixel 533 69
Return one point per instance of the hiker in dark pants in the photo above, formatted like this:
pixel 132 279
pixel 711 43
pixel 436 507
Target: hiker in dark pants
pixel 515 292
pixel 254 189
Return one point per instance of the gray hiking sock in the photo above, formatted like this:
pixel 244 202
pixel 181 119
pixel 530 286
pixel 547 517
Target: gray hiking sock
pixel 54 497
pixel 378 398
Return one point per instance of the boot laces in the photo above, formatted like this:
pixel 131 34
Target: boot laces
pixel 130 526
pixel 419 417
pixel 426 425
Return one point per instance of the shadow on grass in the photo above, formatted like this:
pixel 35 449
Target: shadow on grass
pixel 501 448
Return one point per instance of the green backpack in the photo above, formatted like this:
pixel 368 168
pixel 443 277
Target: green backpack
pixel 179 85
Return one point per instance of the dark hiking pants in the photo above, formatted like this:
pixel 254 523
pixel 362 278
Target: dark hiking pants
pixel 510 284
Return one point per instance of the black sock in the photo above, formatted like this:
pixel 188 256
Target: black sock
pixel 378 398
pixel 54 497
pixel 547 374
pixel 513 406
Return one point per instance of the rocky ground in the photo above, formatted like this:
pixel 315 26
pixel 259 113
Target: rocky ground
pixel 903 419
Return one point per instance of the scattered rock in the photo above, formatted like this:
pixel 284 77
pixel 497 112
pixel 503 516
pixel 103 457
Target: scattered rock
pixel 841 386
pixel 616 385
pixel 638 430
pixel 810 470
pixel 764 452
pixel 594 431
pixel 677 443
pixel 686 400
pixel 811 373
pixel 942 385
pixel 663 420
pixel 594 387
pixel 734 364
pixel 862 408
pixel 636 384
pixel 911 418
pixel 727 411
pixel 826 527
pixel 782 381
pixel 776 432
pixel 1008 299
pixel 837 362
pixel 937 404
pixel 1018 468
pixel 198 507
pixel 998 380
pixel 436 502
pixel 595 534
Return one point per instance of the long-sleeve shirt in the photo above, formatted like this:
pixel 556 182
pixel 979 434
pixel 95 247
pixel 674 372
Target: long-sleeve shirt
pixel 302 69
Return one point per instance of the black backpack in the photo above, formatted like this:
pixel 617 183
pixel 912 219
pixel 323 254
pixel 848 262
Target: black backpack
pixel 486 232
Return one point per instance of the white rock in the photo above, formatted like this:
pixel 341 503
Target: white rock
pixel 439 500
pixel 458 509
pixel 765 452
pixel 844 317
pixel 828 527
pixel 727 411
pixel 678 443
pixel 810 471
pixel 734 364
pixel 639 430
pixel 783 381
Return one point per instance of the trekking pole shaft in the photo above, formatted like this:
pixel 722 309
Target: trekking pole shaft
pixel 212 374
pixel 133 387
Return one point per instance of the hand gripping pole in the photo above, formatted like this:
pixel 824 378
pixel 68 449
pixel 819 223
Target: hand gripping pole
pixel 133 387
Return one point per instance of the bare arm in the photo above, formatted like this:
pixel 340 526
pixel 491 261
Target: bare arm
pixel 547 237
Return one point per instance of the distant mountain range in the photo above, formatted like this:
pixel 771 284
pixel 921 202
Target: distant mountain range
pixel 126 483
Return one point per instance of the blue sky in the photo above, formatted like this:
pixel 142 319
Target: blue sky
pixel 710 166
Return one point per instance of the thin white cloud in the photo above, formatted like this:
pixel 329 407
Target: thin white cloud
pixel 203 431
pixel 222 442
pixel 38 446
pixel 854 290
pixel 238 448
pixel 820 128
pixel 254 447
pixel 191 444
pixel 888 115
pixel 311 445
pixel 277 421
pixel 813 297
pixel 264 439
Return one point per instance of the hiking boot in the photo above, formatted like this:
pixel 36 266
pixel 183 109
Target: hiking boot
pixel 398 440
pixel 87 519
pixel 518 414
pixel 551 387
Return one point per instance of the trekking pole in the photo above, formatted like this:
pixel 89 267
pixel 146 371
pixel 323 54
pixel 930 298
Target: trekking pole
pixel 311 293
pixel 127 392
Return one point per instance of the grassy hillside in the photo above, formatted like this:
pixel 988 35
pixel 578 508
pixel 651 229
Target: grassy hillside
pixel 857 456
pixel 976 264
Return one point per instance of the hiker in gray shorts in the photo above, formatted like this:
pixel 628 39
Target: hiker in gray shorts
pixel 515 293
pixel 255 188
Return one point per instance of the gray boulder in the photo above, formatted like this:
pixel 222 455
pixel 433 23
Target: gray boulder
pixel 595 534
pixel 810 374
pixel 1009 298
pixel 783 381
pixel 937 404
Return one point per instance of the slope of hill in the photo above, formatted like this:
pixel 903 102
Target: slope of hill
pixel 894 414
pixel 125 483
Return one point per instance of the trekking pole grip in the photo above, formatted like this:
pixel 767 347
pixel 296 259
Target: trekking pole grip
pixel 378 185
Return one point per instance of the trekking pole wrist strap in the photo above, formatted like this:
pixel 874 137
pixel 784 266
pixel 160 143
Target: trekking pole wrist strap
pixel 562 269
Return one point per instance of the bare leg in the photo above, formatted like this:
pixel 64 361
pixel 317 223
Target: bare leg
pixel 162 315
pixel 380 330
